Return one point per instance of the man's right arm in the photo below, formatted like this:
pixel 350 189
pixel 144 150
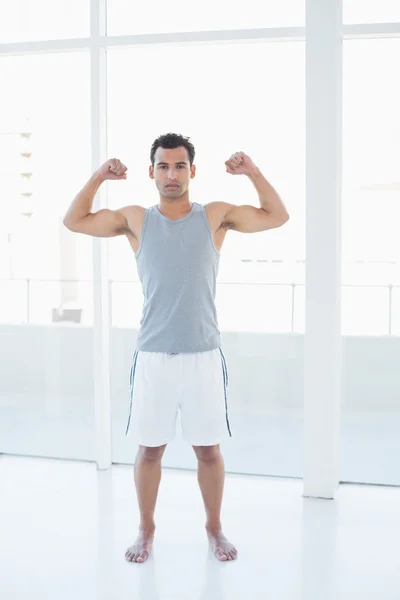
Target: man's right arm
pixel 105 222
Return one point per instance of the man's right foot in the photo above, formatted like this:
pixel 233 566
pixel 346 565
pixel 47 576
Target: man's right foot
pixel 140 551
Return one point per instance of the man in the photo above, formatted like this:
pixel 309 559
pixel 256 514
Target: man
pixel 178 363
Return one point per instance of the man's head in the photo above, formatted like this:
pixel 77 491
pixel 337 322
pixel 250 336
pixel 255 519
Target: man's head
pixel 172 168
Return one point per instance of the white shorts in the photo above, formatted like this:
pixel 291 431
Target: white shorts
pixel 195 384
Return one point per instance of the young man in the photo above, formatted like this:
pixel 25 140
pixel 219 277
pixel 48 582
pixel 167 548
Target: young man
pixel 178 363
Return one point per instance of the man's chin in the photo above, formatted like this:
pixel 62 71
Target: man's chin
pixel 173 193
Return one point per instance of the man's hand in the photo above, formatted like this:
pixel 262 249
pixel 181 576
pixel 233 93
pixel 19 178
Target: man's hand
pixel 240 164
pixel 112 169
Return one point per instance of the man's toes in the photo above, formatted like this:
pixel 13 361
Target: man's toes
pixel 142 556
pixel 221 555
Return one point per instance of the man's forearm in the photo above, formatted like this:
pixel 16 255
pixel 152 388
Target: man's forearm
pixel 269 198
pixel 82 204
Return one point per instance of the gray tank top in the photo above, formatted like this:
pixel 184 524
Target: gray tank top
pixel 178 267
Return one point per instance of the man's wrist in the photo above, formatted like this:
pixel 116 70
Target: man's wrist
pixel 254 172
pixel 96 178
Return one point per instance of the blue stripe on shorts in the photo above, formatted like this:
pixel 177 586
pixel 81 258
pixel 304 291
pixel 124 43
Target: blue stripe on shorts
pixel 131 384
pixel 225 376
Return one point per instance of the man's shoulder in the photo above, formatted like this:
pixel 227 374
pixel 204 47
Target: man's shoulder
pixel 134 216
pixel 216 212
pixel 217 206
pixel 132 209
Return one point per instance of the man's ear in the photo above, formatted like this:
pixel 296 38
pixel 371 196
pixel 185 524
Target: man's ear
pixel 192 171
pixel 151 172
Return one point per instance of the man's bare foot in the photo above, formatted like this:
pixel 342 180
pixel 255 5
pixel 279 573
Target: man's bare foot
pixel 140 550
pixel 222 548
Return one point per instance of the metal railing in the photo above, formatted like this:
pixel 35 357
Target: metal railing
pixel 112 283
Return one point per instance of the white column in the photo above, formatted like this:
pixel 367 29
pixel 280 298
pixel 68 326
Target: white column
pixel 323 247
pixel 101 325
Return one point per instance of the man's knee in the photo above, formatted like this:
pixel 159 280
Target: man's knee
pixel 207 453
pixel 151 454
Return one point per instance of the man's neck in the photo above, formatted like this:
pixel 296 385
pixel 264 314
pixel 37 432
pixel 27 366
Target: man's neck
pixel 175 209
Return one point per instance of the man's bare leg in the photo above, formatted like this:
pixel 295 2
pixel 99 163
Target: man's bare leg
pixel 211 477
pixel 147 481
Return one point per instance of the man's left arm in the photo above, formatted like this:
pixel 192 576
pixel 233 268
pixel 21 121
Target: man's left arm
pixel 249 219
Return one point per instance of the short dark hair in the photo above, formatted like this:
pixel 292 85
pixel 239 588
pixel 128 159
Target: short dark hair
pixel 173 140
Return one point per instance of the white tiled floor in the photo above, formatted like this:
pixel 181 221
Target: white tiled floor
pixel 64 528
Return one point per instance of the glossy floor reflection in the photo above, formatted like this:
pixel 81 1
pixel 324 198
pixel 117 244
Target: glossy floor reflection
pixel 64 528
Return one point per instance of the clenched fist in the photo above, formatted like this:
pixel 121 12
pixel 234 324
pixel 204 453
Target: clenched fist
pixel 239 164
pixel 112 169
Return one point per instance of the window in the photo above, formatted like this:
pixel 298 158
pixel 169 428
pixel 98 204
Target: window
pixel 46 380
pixel 371 261
pixel 371 186
pixel 365 11
pixel 239 111
pixel 24 20
pixel 224 106
pixel 126 17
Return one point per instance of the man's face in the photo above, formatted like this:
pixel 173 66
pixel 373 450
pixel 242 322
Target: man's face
pixel 172 171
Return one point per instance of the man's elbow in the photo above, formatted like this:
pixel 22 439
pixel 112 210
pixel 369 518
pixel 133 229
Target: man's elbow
pixel 283 219
pixel 68 224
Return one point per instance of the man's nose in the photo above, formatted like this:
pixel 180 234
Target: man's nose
pixel 172 174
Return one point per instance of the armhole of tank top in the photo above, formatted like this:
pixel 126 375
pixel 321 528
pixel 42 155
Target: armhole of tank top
pixel 143 232
pixel 208 227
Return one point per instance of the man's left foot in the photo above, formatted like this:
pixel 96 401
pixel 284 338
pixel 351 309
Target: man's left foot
pixel 222 548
